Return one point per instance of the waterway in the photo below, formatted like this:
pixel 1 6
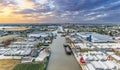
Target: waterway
pixel 59 60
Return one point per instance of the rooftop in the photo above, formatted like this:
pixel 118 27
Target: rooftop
pixel 97 37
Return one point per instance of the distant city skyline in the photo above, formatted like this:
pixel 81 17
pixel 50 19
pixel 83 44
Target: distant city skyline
pixel 59 11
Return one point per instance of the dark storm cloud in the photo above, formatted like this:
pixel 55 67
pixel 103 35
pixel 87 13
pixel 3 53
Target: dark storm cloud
pixel 76 5
pixel 75 10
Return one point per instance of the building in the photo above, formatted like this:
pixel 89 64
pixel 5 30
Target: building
pixel 96 38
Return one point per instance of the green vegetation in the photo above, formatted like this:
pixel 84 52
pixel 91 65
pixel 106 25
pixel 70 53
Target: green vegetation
pixel 42 44
pixel 85 50
pixel 12 55
pixel 30 66
pixel 38 45
pixel 46 44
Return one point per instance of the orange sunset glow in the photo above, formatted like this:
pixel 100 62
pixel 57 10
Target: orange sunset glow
pixel 8 12
pixel 58 11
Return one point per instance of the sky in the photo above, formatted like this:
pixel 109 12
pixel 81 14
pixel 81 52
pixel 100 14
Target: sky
pixel 59 11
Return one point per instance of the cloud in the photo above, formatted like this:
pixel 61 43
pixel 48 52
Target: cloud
pixel 95 17
pixel 61 10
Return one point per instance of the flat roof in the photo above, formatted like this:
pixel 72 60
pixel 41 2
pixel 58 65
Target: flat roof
pixel 8 37
pixel 16 29
pixel 96 37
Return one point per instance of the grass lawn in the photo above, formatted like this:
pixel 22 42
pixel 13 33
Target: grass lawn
pixel 30 66
pixel 8 64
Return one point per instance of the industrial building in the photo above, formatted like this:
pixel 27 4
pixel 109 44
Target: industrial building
pixel 24 44
pixel 98 61
pixel 95 37
pixel 6 40
pixel 95 51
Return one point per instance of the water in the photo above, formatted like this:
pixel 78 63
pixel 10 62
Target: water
pixel 59 60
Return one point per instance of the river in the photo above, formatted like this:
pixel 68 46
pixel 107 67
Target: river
pixel 59 60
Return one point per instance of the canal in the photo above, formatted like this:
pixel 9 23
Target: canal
pixel 59 60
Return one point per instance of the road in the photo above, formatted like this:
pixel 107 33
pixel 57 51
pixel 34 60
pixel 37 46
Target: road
pixel 59 60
